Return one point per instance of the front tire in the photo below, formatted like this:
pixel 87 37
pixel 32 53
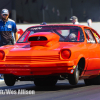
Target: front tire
pixel 9 79
pixel 73 78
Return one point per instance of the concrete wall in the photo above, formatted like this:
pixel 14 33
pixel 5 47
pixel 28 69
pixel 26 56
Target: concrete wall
pixel 95 25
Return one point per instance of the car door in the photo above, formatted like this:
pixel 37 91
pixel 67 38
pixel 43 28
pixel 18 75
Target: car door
pixel 93 53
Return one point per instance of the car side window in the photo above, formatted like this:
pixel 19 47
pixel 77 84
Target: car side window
pixel 89 36
pixel 97 38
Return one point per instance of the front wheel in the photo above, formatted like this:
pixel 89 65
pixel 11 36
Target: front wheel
pixel 9 79
pixel 73 78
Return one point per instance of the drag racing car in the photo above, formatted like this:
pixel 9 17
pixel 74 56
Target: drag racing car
pixel 47 53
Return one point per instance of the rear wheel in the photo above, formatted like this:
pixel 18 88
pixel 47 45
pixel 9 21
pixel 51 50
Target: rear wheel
pixel 9 79
pixel 73 78
pixel 48 81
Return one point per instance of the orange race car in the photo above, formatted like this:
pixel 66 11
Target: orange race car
pixel 47 53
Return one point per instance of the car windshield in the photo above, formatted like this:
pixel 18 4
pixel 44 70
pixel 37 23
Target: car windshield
pixel 66 33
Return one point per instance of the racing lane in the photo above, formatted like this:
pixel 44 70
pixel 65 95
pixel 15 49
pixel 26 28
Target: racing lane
pixel 62 91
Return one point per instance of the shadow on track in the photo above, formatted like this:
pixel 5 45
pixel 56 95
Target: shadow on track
pixel 58 86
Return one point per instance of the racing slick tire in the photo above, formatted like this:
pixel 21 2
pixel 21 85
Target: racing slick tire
pixel 73 78
pixel 9 79
pixel 48 81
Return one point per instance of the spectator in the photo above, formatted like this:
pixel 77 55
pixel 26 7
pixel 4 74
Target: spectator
pixel 89 22
pixel 74 20
pixel 8 30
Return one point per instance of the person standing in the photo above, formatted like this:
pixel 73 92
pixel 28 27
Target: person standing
pixel 89 22
pixel 8 30
pixel 74 20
